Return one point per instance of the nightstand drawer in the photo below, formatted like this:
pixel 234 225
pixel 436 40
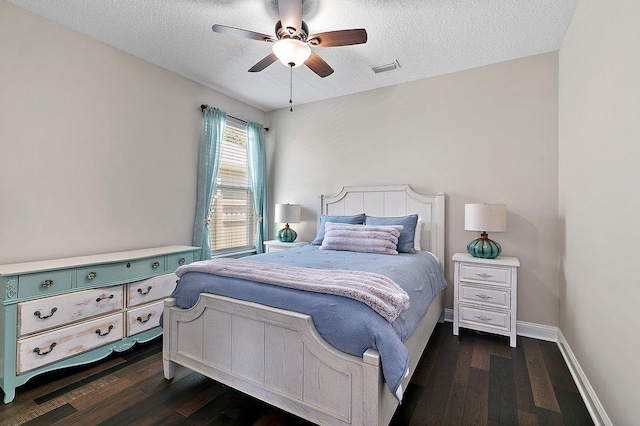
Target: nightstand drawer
pixel 485 274
pixel 485 296
pixel 275 245
pixel 485 317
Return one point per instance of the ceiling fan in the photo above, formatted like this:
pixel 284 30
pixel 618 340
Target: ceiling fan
pixel 292 42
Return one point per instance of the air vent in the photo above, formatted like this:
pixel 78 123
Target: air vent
pixel 385 67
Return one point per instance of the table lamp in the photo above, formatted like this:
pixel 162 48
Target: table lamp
pixel 287 213
pixel 485 218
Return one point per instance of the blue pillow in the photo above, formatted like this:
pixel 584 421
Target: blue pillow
pixel 357 219
pixel 407 236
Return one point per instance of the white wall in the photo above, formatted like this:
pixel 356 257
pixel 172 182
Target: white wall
pixel 483 135
pixel 599 207
pixel 98 149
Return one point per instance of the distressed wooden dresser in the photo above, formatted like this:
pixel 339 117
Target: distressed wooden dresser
pixel 66 312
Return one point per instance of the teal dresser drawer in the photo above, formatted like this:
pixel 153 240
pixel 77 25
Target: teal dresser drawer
pixel 120 272
pixel 176 260
pixel 45 283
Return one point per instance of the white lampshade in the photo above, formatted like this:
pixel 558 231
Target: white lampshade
pixel 287 213
pixel 291 51
pixel 485 217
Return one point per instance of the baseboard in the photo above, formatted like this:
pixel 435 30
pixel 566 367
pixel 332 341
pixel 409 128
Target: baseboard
pixel 554 334
pixel 598 414
pixel 523 328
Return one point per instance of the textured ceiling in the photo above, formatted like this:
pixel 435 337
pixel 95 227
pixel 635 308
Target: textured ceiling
pixel 426 37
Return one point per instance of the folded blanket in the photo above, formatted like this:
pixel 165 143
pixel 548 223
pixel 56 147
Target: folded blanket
pixel 380 293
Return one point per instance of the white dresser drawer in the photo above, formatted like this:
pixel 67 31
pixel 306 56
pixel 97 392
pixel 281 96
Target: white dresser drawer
pixel 485 274
pixel 155 288
pixel 144 317
pixel 45 348
pixel 485 296
pixel 485 317
pixel 42 314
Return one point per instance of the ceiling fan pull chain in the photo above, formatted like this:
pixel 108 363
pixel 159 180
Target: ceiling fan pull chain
pixel 291 64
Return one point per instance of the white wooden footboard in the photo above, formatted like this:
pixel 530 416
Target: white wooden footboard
pixel 279 357
pixel 274 355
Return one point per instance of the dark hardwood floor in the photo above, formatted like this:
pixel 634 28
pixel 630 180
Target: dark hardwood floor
pixel 468 379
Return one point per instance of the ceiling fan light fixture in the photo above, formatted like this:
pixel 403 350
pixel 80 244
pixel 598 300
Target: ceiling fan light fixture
pixel 291 51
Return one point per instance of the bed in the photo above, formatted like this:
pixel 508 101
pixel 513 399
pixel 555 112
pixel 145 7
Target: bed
pixel 278 355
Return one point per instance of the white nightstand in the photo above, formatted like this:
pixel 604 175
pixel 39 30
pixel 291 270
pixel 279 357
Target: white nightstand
pixel 275 245
pixel 486 294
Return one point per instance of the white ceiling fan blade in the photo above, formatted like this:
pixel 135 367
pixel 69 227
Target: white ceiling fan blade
pixel 290 15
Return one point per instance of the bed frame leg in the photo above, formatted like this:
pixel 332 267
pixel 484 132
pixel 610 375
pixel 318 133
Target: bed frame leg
pixel 168 366
pixel 169 369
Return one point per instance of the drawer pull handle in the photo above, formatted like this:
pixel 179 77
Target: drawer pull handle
pixel 141 321
pixel 155 265
pixel 47 283
pixel 483 318
pixel 484 296
pixel 103 298
pixel 101 334
pixel 91 275
pixel 37 350
pixel 144 293
pixel 182 260
pixel 483 275
pixel 39 315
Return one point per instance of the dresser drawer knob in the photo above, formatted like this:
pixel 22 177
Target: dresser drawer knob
pixel 483 275
pixel 105 297
pixel 155 265
pixel 141 321
pixel 484 296
pixel 91 275
pixel 37 350
pixel 99 333
pixel 39 315
pixel 483 318
pixel 47 283
pixel 182 260
pixel 144 293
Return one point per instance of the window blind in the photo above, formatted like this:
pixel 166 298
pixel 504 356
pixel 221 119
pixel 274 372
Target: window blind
pixel 232 218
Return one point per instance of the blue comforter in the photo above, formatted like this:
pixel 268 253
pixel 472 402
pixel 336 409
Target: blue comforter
pixel 347 324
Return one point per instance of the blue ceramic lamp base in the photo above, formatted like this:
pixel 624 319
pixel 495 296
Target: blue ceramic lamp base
pixel 286 235
pixel 484 248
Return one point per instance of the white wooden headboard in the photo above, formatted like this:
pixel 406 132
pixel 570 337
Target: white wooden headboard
pixel 395 200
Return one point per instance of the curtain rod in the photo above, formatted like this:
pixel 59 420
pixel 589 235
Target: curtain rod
pixel 202 107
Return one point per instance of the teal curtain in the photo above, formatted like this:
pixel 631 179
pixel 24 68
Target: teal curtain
pixel 211 136
pixel 258 177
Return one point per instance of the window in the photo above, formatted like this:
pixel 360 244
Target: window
pixel 232 219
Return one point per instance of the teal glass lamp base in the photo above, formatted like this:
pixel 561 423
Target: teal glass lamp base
pixel 286 235
pixel 484 248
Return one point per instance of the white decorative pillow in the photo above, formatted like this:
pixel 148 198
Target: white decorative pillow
pixel 418 235
pixel 382 239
